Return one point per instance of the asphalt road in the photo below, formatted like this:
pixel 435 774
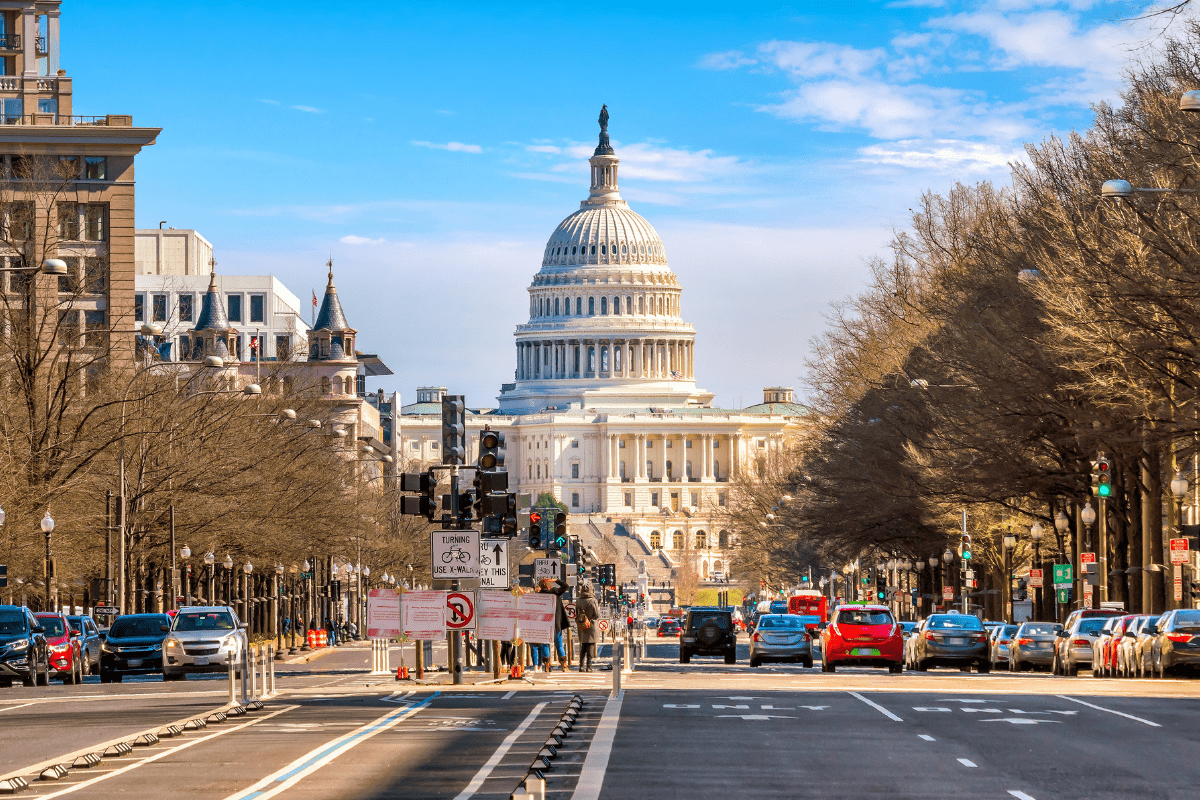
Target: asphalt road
pixel 701 730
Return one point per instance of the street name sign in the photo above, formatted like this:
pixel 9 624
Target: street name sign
pixel 493 564
pixel 1179 552
pixel 108 611
pixel 552 568
pixel 460 611
pixel 455 554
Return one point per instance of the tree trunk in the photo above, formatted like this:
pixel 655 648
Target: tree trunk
pixel 1133 515
pixel 1153 596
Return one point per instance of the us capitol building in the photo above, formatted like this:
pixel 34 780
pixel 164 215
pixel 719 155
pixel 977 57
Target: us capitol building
pixel 604 413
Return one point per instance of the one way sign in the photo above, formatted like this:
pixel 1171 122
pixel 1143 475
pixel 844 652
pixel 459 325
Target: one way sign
pixel 493 564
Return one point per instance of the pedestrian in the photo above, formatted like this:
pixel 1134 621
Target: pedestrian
pixel 586 614
pixel 561 620
pixel 507 651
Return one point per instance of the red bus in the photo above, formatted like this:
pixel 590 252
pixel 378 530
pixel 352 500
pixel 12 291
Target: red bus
pixel 812 606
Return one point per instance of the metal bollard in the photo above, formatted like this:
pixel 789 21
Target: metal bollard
pixel 271 666
pixel 244 667
pixel 232 681
pixel 253 672
pixel 616 668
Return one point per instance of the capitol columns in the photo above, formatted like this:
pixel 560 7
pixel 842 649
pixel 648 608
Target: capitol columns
pixel 708 456
pixel 613 457
pixel 641 457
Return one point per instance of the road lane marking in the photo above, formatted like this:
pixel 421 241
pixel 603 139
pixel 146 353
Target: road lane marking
pixel 510 694
pixel 315 759
pixel 10 708
pixel 1111 711
pixel 966 762
pixel 877 707
pixel 501 751
pixel 591 777
pixel 163 754
pixel 926 737
pixel 1020 795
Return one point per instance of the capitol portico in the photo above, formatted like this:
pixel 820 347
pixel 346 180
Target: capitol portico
pixel 604 412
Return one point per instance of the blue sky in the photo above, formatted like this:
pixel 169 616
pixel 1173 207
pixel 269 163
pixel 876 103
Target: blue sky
pixel 433 148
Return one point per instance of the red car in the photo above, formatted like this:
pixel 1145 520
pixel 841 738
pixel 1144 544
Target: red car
pixel 862 635
pixel 66 658
pixel 1107 645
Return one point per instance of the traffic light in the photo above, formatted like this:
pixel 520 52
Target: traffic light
pixel 454 429
pixel 966 549
pixel 880 586
pixel 560 530
pixel 426 504
pixel 1020 593
pixel 535 529
pixel 1091 573
pixel 1102 469
pixel 490 445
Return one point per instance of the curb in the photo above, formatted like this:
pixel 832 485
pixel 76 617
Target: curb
pixel 324 651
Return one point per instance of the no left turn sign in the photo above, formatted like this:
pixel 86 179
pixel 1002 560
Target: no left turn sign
pixel 603 625
pixel 570 609
pixel 460 611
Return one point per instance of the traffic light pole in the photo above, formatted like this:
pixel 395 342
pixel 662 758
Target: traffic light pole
pixel 966 565
pixel 456 655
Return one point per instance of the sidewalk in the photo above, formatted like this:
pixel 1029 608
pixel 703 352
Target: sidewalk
pixel 305 658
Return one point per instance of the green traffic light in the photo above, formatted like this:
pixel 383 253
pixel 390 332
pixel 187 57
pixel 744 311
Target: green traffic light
pixel 1104 490
pixel 966 555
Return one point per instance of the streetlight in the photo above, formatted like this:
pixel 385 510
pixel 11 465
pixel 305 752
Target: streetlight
pixel 210 561
pixel 276 612
pixel 247 615
pixel 48 528
pixel 1035 535
pixel 185 553
pixel 228 564
pixel 292 570
pixel 1010 543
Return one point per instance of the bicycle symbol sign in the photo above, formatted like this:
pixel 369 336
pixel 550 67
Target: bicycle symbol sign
pixel 455 554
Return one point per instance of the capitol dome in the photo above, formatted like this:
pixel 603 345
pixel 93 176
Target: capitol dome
pixel 604 325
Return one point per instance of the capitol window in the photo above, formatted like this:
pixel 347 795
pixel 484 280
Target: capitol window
pixel 716 444
pixel 593 249
pixel 591 306
pixel 556 306
pixel 616 305
pixel 677 538
pixel 604 306
pixel 578 309
pixel 654 498
pixel 572 251
pixel 575 470
pixel 655 539
pixel 575 500
pixel 629 498
pixel 623 250
pixel 603 250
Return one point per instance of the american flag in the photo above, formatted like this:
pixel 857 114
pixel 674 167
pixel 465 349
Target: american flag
pixel 314 294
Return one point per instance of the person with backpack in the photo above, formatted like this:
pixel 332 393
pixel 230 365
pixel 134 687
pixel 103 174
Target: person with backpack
pixel 586 615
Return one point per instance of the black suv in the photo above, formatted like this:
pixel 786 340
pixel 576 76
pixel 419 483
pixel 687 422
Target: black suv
pixel 23 651
pixel 708 632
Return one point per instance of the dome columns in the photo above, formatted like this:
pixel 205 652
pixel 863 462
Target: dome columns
pixel 601 358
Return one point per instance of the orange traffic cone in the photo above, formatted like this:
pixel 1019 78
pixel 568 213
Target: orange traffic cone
pixel 402 674
pixel 517 671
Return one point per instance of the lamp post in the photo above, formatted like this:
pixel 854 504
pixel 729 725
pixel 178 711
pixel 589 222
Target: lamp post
pixel 305 579
pixel 210 561
pixel 1010 543
pixel 185 553
pixel 1061 524
pixel 292 570
pixel 1035 536
pixel 48 528
pixel 277 609
pixel 1179 488
pixel 1088 517
pixel 947 559
pixel 247 568
pixel 228 563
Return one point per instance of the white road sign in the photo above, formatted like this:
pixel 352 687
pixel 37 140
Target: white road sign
pixel 455 554
pixel 551 568
pixel 493 564
pixel 460 610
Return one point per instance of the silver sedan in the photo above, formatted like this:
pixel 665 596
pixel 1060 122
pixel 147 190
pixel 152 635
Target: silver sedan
pixel 780 637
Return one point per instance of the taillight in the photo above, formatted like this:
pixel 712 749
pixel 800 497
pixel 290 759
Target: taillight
pixel 756 637
pixel 1024 641
pixel 1082 642
pixel 930 636
pixel 1179 637
pixel 1005 641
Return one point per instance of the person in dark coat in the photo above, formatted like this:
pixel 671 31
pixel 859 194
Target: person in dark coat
pixel 586 615
pixel 561 620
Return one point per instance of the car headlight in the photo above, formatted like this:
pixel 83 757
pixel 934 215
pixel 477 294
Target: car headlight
pixel 105 647
pixel 60 648
pixel 19 644
pixel 172 644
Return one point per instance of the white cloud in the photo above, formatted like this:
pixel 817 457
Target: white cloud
pixel 942 155
pixel 543 148
pixel 817 59
pixel 454 147
pixel 357 240
pixel 308 109
pixel 731 59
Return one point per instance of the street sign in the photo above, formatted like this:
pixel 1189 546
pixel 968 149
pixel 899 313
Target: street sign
pixel 552 568
pixel 423 615
pixel 493 564
pixel 383 614
pixel 1179 552
pixel 603 625
pixel 1063 575
pixel 1035 579
pixel 1087 558
pixel 455 554
pixel 108 611
pixel 947 592
pixel 1063 595
pixel 570 609
pixel 460 611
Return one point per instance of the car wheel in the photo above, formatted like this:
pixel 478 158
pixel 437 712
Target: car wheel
pixel 105 676
pixel 829 667
pixel 807 663
pixel 984 667
pixel 45 679
pixel 922 665
pixel 6 683
pixel 685 657
pixel 731 656
pixel 967 668
pixel 754 662
pixel 1071 670
pixel 896 669
pixel 116 678
pixel 29 682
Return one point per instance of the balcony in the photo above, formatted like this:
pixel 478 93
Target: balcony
pixel 108 120
pixel 10 41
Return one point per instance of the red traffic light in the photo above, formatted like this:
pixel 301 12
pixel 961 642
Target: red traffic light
pixel 534 517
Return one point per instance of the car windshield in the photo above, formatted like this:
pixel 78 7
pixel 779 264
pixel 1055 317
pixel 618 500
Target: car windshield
pixel 956 622
pixel 1148 622
pixel 1186 620
pixel 1037 630
pixel 54 626
pixel 720 620
pixel 204 621
pixel 1008 630
pixel 782 621
pixel 1094 625
pixel 12 622
pixel 76 624
pixel 864 617
pixel 137 626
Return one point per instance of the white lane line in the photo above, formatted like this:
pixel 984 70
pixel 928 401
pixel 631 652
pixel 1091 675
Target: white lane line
pixel 877 707
pixel 510 694
pixel 1020 795
pixel 10 708
pixel 927 737
pixel 315 759
pixel 508 742
pixel 163 754
pixel 1111 711
pixel 966 762
pixel 591 777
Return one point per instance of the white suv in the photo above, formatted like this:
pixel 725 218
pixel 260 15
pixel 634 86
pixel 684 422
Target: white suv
pixel 202 639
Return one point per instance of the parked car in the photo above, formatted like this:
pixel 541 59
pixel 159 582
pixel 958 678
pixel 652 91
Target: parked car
pixel 89 641
pixel 953 640
pixel 999 644
pixel 781 637
pixel 66 657
pixel 133 646
pixel 708 632
pixel 24 655
pixel 1139 651
pixel 863 636
pixel 1123 664
pixel 203 639
pixel 1177 643
pixel 1032 646
pixel 1104 655
pixel 1073 647
pixel 1100 645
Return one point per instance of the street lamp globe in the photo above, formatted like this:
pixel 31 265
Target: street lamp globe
pixel 54 266
pixel 1116 188
pixel 770 517
pixel 185 551
pixel 228 561
pixel 307 566
pixel 891 565
pixel 919 565
pixel 209 558
pixel 1088 514
pixel 214 362
pixel 1190 101
pixel 247 568
pixel 947 556
pixel 47 523
pixel 366 572
pixel 908 565
pixel 278 569
pixel 1 516
pixel 152 329
pixel 1010 542
pixel 1179 486
pixel 1035 532
pixel 1061 523
pixel 933 562
pixel 293 569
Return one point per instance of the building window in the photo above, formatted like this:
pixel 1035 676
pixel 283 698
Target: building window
pixel 235 307
pixel 687 443
pixel 575 470
pixel 187 308
pixel 158 308
pixel 578 306
pixel 326 385
pixel 283 347
pixel 433 445
pixel 622 472
pixel 670 471
pixel 650 471
pixel 723 539
pixel 669 443
pixel 616 305
pixel 688 469
pixel 628 499
pixel 762 444
pixel 654 499
pixel 716 469
pixel 649 444
pixel 95 325
pixel 531 470
pixel 721 499
pixel 574 499
pixel 574 443
pixel 701 540
pixel 95 277
pixel 68 221
pixel 695 500
pixel 47 105
pixel 716 444
pixel 621 444
pixel 655 540
pixel 604 306
pixel 539 471
pixel 139 308
pixel 258 308
pixel 591 306
pixel 95 168
pixel 677 540
pixel 96 222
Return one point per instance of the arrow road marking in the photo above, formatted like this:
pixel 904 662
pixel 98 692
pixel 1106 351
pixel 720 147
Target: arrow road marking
pixel 781 708
pixel 1024 721
pixel 682 705
pixel 926 737
pixel 752 716
pixel 813 708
